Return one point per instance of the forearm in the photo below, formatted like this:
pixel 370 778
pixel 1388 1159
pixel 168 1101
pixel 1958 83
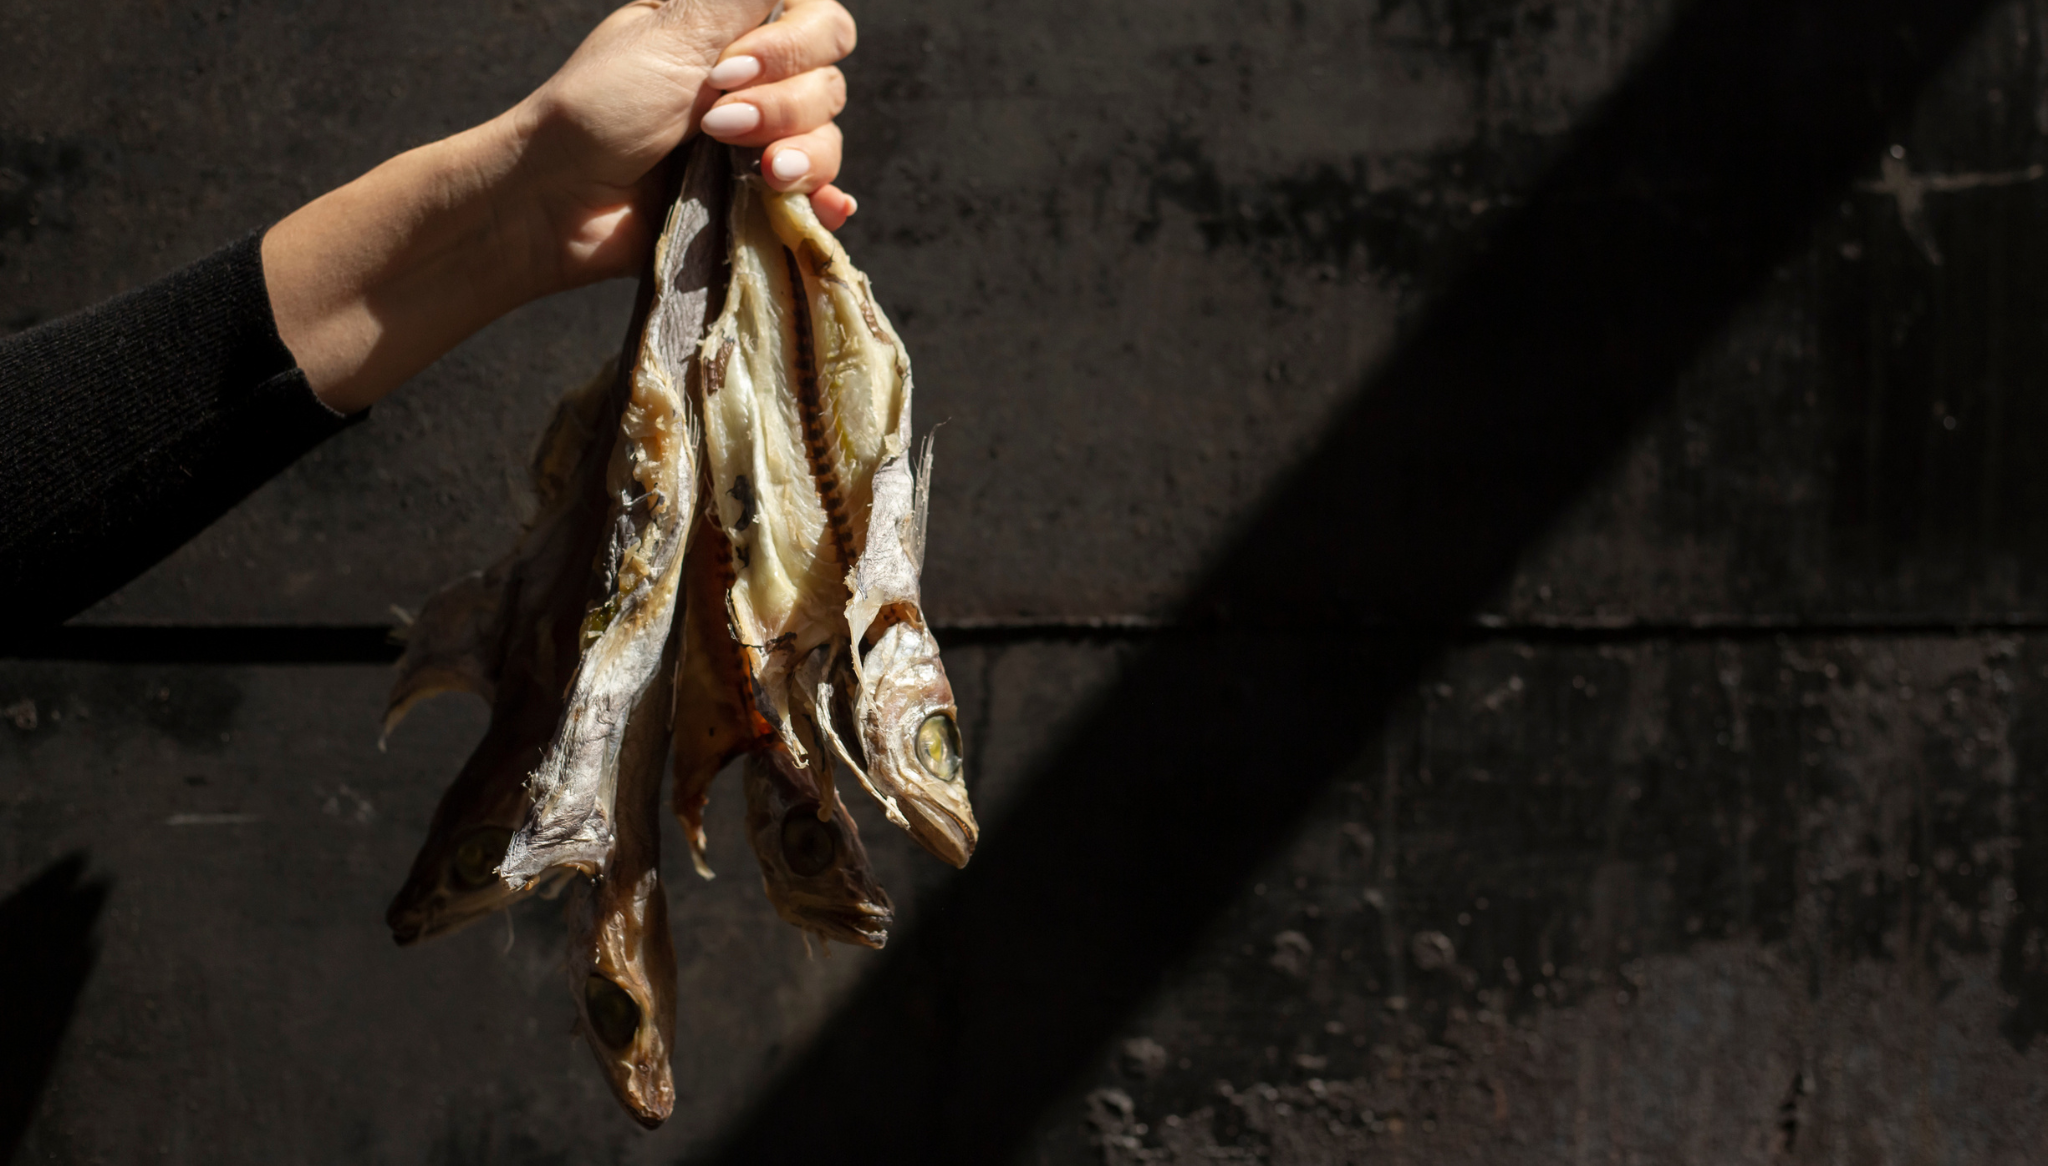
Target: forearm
pixel 127 428
pixel 372 282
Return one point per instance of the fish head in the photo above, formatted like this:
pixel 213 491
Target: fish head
pixel 454 882
pixel 815 871
pixel 910 731
pixel 617 1004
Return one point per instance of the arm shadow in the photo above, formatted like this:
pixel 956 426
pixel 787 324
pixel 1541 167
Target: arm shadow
pixel 46 935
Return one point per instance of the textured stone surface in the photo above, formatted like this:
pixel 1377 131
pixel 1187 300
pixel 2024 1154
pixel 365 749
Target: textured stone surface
pixel 1729 902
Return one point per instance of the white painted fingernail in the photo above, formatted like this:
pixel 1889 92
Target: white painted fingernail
pixel 790 165
pixel 732 118
pixel 734 71
pixel 852 206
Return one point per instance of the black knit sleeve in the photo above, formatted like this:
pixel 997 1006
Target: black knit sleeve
pixel 129 427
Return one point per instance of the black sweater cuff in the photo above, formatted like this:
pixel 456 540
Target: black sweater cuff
pixel 128 428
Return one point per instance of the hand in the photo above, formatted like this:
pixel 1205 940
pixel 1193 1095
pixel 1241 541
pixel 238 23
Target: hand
pixel 372 282
pixel 644 80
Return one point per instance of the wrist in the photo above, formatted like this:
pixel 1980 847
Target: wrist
pixel 373 281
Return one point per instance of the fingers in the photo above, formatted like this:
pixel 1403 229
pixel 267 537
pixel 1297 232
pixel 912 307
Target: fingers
pixel 834 206
pixel 811 34
pixel 804 162
pixel 760 114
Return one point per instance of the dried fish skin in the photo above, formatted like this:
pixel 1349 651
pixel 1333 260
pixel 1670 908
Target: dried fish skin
pixel 514 629
pixel 652 482
pixel 621 962
pixel 788 594
pixel 574 785
pixel 860 392
pixel 813 865
pixel 910 729
pixel 715 716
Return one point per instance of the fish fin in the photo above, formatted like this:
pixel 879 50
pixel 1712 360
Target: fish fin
pixel 691 818
pixel 921 508
pixel 828 791
pixel 826 703
pixel 455 645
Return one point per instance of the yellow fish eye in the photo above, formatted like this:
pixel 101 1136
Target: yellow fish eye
pixel 938 747
pixel 613 1015
pixel 477 857
pixel 808 845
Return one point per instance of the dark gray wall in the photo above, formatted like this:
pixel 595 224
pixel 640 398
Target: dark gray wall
pixel 1614 739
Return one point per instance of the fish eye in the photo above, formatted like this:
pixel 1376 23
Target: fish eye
pixel 477 857
pixel 808 845
pixel 613 1015
pixel 938 747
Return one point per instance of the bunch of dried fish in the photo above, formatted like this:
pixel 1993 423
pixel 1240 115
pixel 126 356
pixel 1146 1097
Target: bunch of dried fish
pixel 724 566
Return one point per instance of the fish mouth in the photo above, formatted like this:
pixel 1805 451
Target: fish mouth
pixel 430 920
pixel 650 1114
pixel 644 1095
pixel 410 922
pixel 866 927
pixel 648 1119
pixel 941 833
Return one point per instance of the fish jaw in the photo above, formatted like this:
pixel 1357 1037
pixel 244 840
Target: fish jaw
pixel 621 960
pixel 840 898
pixel 626 1020
pixel 906 708
pixel 452 882
pixel 944 836
pixel 433 906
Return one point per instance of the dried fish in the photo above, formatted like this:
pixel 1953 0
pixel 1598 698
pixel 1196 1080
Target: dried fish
pixel 755 522
pixel 856 390
pixel 910 729
pixel 813 865
pixel 509 635
pixel 788 592
pixel 622 965
pixel 652 484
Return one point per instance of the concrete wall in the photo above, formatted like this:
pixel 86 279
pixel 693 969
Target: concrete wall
pixel 1490 552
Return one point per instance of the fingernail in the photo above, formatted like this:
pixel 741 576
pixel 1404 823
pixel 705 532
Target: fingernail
pixel 734 71
pixel 852 206
pixel 732 118
pixel 790 165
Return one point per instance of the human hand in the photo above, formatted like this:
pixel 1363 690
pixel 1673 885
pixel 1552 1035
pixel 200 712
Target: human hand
pixel 372 282
pixel 643 81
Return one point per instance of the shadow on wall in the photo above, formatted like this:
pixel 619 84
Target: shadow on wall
pixel 1705 170
pixel 46 953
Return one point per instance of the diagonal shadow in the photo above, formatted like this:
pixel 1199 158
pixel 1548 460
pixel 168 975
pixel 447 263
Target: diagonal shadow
pixel 46 937
pixel 1704 170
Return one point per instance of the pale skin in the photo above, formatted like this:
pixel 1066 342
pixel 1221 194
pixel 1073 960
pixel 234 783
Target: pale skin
pixel 374 281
